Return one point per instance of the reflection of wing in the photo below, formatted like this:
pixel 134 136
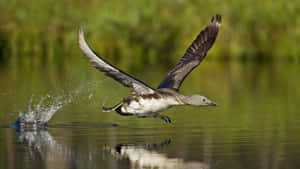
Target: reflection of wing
pixel 125 79
pixel 193 56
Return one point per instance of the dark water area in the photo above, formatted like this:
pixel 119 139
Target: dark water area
pixel 256 126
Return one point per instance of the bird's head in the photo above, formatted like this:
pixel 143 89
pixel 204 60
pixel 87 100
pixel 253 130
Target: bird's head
pixel 198 100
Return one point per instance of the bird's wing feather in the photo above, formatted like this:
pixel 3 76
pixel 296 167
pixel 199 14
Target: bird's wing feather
pixel 193 55
pixel 137 86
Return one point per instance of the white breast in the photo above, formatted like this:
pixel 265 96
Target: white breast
pixel 149 105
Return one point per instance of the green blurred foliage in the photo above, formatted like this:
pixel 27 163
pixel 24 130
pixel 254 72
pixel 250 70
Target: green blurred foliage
pixel 135 33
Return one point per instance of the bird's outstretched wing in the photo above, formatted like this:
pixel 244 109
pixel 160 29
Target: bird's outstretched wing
pixel 193 55
pixel 136 86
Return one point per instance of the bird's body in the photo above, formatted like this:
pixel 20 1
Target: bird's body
pixel 146 101
pixel 161 100
pixel 147 105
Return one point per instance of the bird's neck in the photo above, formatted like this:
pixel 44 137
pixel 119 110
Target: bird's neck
pixel 190 100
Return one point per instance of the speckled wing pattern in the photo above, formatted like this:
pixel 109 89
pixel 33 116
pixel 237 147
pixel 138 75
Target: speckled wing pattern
pixel 137 86
pixel 193 55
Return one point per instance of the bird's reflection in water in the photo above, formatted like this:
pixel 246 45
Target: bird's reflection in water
pixel 41 145
pixel 147 156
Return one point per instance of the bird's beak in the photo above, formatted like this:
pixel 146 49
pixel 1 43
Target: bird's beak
pixel 213 104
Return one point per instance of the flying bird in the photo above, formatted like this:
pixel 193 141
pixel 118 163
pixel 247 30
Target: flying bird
pixel 146 101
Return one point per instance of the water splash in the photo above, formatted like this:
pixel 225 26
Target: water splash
pixel 43 111
pixel 48 105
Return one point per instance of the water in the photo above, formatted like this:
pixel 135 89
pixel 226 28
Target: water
pixel 256 126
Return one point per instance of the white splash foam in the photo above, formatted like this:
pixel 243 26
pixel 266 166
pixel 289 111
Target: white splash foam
pixel 48 105
pixel 44 110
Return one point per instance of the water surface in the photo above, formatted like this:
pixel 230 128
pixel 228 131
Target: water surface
pixel 256 125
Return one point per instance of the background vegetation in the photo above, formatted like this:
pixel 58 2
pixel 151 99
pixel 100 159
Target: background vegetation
pixel 34 32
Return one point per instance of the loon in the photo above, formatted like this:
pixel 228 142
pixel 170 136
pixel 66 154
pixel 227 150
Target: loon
pixel 146 101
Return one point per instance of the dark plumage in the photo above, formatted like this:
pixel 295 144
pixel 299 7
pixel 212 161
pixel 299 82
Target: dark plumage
pixel 146 101
pixel 193 55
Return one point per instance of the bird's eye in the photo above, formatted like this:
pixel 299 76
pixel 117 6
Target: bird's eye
pixel 203 100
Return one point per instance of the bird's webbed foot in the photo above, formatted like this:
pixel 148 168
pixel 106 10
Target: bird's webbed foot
pixel 108 109
pixel 155 115
pixel 164 118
